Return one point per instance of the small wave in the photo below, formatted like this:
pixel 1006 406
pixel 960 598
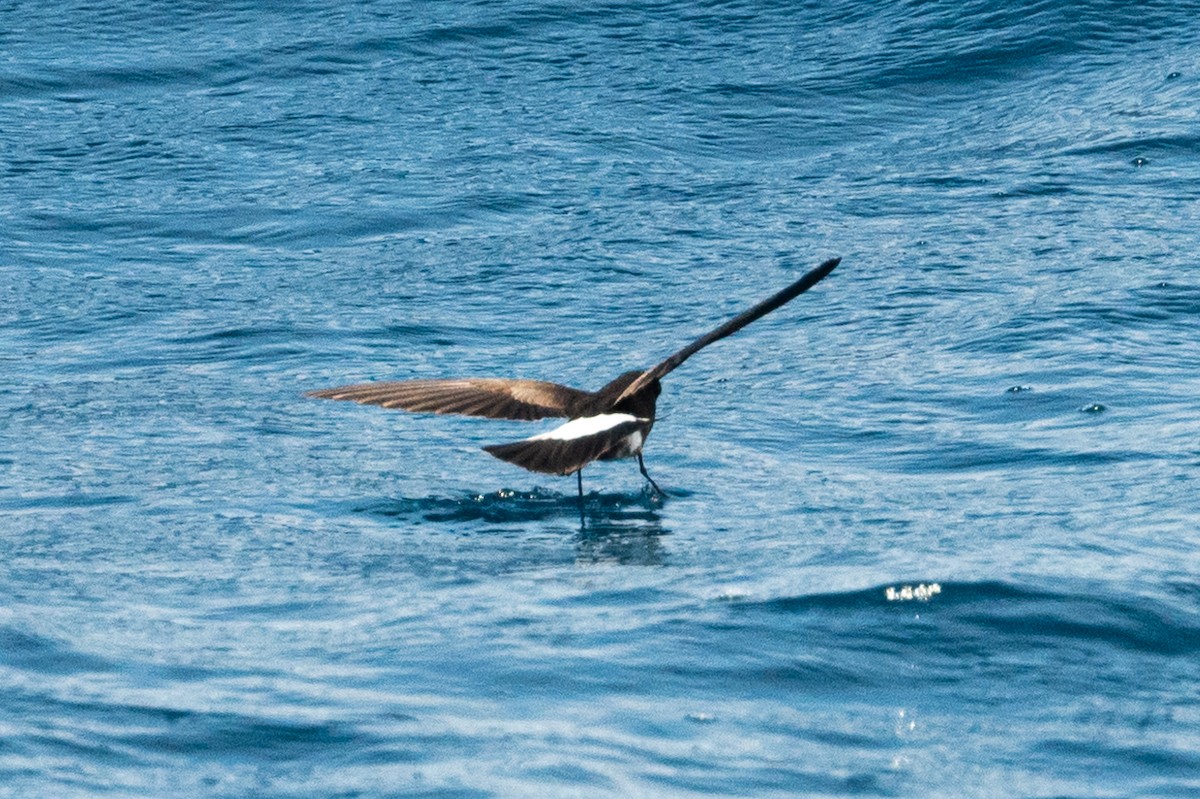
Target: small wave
pixel 1177 303
pixel 1006 613
pixel 959 456
pixel 233 334
pixel 1156 762
pixel 230 734
pixel 1189 144
pixel 122 733
pixel 35 653
pixel 42 503
pixel 267 344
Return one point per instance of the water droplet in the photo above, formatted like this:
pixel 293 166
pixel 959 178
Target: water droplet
pixel 1095 407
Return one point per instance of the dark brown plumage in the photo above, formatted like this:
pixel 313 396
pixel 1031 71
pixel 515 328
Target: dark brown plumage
pixel 492 398
pixel 612 422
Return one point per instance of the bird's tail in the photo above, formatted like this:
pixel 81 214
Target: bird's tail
pixel 572 446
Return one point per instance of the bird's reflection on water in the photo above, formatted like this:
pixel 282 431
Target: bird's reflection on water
pixel 613 530
pixel 624 543
pixel 622 528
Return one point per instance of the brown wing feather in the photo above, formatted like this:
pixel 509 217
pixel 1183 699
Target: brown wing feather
pixel 493 398
pixel 559 456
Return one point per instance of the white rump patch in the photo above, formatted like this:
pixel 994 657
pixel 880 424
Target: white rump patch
pixel 586 426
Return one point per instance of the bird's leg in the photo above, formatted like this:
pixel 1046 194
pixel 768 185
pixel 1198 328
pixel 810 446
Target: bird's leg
pixel 579 478
pixel 646 474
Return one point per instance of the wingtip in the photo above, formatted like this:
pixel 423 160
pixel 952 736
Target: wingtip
pixel 822 271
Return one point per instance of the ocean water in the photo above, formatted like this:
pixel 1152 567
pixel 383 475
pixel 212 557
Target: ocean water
pixel 933 529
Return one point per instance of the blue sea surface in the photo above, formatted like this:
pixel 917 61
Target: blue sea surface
pixel 932 529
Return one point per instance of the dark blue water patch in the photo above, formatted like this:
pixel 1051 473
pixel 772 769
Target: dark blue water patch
pixel 693 776
pixel 412 334
pixel 1131 317
pixel 1182 144
pixel 147 735
pixel 1170 300
pixel 1188 592
pixel 1137 308
pixel 1043 188
pixel 62 502
pixel 476 35
pixel 1040 618
pixel 1152 762
pixel 571 774
pixel 222 735
pixel 41 655
pixel 272 611
pixel 963 457
pixel 233 334
pixel 1143 768
pixel 251 345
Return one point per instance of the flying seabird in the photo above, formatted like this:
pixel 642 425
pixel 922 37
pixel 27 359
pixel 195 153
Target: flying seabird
pixel 602 425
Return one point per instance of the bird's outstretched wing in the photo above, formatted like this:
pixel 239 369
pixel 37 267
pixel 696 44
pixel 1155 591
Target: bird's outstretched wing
pixel 735 324
pixel 493 398
pixel 572 446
